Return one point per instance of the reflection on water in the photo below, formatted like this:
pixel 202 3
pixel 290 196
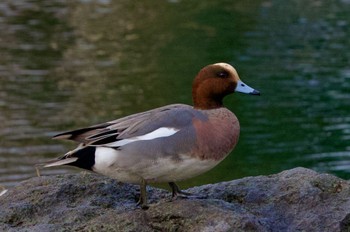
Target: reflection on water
pixel 332 161
pixel 32 41
pixel 68 64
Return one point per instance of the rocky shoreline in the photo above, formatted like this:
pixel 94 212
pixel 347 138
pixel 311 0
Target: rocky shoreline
pixel 293 200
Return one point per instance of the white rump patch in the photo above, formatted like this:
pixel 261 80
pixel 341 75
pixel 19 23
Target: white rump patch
pixel 159 133
pixel 104 158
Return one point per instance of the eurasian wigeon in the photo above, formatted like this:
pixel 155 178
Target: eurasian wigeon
pixel 166 144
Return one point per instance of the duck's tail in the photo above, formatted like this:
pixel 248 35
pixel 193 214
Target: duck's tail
pixel 82 157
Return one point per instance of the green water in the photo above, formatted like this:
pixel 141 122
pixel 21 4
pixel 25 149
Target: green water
pixel 69 64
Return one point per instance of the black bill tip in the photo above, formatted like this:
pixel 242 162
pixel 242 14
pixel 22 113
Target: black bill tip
pixel 255 92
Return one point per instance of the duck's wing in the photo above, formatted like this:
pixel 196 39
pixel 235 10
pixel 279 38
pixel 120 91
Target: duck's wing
pixel 148 125
pixel 132 126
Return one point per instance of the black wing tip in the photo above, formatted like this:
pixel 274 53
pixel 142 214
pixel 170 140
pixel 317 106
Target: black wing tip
pixel 71 135
pixel 62 136
pixel 255 92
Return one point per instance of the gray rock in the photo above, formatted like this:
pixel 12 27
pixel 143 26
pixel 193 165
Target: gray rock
pixel 294 200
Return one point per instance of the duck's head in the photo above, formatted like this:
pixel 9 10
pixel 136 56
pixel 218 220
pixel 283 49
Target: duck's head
pixel 214 82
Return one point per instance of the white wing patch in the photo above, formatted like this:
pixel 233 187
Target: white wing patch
pixel 159 133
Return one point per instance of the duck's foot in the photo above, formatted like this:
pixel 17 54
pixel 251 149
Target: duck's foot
pixel 143 195
pixel 177 192
pixel 143 206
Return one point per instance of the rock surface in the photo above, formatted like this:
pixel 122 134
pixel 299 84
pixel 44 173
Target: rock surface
pixel 294 200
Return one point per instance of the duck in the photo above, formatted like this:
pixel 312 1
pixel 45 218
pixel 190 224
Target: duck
pixel 166 144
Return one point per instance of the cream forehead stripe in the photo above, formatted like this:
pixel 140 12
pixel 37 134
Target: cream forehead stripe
pixel 228 66
pixel 159 133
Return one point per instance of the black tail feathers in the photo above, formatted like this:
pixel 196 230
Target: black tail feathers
pixel 86 158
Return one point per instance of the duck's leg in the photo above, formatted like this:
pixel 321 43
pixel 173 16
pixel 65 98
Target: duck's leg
pixel 176 191
pixel 143 195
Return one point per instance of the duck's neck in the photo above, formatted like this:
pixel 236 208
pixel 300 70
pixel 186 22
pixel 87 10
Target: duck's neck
pixel 207 103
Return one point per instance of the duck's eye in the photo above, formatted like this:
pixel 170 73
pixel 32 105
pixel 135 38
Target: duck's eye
pixel 222 74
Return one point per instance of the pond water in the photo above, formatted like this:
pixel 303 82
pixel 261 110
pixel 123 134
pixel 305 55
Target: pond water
pixel 68 64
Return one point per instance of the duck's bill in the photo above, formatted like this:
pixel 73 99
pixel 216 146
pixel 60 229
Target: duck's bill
pixel 243 88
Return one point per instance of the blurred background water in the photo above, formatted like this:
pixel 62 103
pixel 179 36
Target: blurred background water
pixel 68 64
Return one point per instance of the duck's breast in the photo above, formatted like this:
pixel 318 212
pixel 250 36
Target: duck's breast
pixel 216 136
